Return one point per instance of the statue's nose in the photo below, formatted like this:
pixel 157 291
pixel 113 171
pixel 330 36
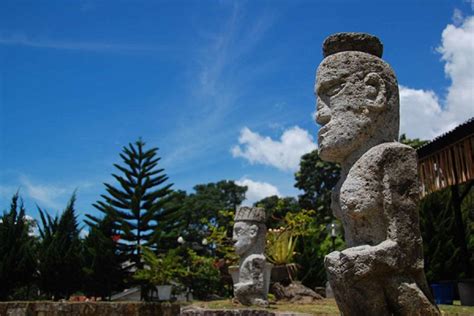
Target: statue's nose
pixel 323 113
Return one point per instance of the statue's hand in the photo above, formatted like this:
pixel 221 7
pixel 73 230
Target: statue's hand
pixel 339 264
pixel 348 265
pixel 331 261
pixel 238 286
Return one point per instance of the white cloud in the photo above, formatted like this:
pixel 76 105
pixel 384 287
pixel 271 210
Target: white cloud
pixel 21 39
pixel 221 73
pixel 7 191
pixel 54 196
pixel 46 195
pixel 257 190
pixel 423 115
pixel 471 2
pixel 83 233
pixel 283 154
pixel 458 17
pixel 419 109
pixel 457 51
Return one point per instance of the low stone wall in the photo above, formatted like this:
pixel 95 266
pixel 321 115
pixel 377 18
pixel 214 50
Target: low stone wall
pixel 226 312
pixel 88 309
pixel 236 312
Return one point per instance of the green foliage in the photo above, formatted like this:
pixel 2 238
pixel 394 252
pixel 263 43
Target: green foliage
pixel 219 237
pixel 207 212
pixel 311 252
pixel 281 242
pixel 316 178
pixel 301 223
pixel 203 277
pixel 103 272
pixel 446 219
pixel 415 143
pixel 160 269
pixel 280 248
pixel 277 208
pixel 443 258
pixel 17 249
pixel 189 269
pixel 60 259
pixel 136 204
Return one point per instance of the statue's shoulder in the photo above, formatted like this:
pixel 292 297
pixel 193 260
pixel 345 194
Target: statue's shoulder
pixel 256 257
pixel 389 153
pixel 255 260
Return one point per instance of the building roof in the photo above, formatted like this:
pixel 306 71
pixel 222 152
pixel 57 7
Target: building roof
pixel 438 143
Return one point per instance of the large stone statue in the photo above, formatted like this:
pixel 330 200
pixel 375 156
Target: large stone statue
pixel 381 271
pixel 249 237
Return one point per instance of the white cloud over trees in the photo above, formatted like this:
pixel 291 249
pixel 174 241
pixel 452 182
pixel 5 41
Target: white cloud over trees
pixel 283 154
pixel 257 190
pixel 423 114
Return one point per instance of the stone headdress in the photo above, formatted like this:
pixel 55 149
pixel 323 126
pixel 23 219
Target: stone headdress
pixel 360 42
pixel 251 214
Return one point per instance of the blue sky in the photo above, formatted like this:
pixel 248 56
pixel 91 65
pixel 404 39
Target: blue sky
pixel 223 88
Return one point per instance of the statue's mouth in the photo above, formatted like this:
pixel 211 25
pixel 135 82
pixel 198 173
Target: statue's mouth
pixel 324 128
pixel 322 131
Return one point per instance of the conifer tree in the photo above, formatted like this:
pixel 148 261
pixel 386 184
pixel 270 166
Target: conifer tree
pixel 103 271
pixel 17 262
pixel 316 178
pixel 60 255
pixel 137 201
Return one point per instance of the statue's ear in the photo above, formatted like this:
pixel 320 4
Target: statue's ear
pixel 253 230
pixel 375 91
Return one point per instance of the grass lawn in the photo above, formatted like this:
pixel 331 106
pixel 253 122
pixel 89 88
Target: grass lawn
pixel 324 307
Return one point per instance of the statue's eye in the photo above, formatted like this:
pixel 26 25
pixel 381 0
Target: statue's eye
pixel 334 89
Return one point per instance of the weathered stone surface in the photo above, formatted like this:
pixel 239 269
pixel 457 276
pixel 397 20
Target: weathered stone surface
pixel 381 271
pixel 226 312
pixel 362 42
pixel 193 311
pixel 295 292
pixel 321 290
pixel 88 309
pixel 249 237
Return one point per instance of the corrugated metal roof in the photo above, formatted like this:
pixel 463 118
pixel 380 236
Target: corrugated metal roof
pixel 459 132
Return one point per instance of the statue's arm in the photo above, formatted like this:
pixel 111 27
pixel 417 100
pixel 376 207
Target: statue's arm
pixel 402 247
pixel 401 197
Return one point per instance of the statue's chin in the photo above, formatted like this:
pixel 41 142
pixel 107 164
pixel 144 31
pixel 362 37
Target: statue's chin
pixel 327 154
pixel 240 250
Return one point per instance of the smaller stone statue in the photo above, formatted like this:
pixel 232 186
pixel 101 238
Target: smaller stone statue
pixel 249 237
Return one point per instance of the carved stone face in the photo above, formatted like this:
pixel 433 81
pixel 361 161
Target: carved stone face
pixel 349 104
pixel 244 236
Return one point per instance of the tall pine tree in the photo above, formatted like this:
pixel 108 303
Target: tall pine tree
pixel 137 201
pixel 103 272
pixel 60 255
pixel 316 178
pixel 17 262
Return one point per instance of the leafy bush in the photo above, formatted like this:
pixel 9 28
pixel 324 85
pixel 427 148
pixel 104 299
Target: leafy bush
pixel 160 269
pixel 280 248
pixel 203 277
pixel 281 242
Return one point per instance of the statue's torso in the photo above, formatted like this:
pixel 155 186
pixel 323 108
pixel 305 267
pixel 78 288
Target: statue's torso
pixel 360 200
pixel 252 268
